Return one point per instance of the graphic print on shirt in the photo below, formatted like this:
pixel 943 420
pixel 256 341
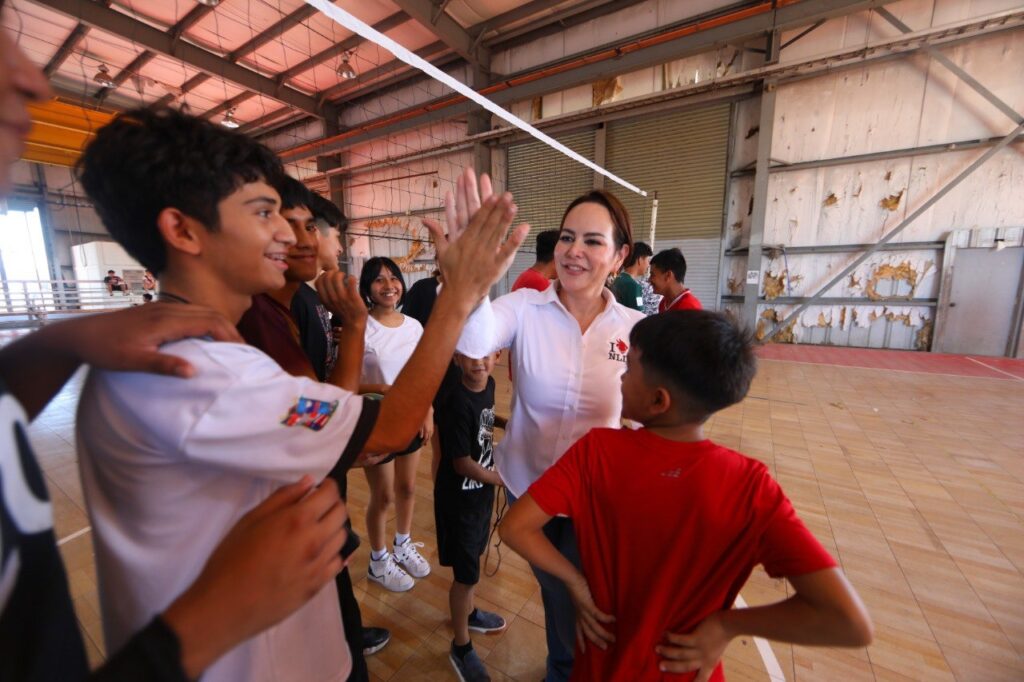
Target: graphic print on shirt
pixel 485 439
pixel 325 322
pixel 617 350
pixel 24 505
pixel 313 414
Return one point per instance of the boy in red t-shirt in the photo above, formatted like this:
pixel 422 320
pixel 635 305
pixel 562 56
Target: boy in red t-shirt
pixel 671 525
pixel 668 272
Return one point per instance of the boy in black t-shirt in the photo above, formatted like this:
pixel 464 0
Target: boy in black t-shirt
pixel 463 501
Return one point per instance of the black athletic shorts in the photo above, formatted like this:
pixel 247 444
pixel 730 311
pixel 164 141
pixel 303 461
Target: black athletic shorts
pixel 413 446
pixel 462 529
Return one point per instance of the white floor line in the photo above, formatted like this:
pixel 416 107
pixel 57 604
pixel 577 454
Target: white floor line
pixel 771 663
pixel 995 369
pixel 76 534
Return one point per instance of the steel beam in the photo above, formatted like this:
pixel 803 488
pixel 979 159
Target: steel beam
pixel 166 43
pixel 67 48
pixel 558 21
pixel 891 234
pixel 838 248
pixel 277 29
pixel 963 75
pixel 839 300
pixel 350 43
pixel 925 150
pixel 752 280
pixel 448 30
pixel 366 82
pixel 189 20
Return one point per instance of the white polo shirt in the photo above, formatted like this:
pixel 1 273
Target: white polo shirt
pixel 566 383
pixel 168 465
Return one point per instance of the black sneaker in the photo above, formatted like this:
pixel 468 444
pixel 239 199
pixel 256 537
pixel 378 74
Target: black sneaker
pixel 485 621
pixel 375 639
pixel 469 668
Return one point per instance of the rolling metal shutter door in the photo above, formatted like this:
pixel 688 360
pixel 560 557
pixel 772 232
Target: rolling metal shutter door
pixel 543 182
pixel 682 156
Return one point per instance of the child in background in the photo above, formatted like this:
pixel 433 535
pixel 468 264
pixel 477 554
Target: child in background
pixel 391 338
pixel 463 501
pixel 671 525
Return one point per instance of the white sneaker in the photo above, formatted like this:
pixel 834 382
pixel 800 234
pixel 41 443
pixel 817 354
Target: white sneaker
pixel 389 575
pixel 411 560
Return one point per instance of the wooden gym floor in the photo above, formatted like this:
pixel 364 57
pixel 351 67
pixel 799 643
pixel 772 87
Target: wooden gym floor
pixel 908 467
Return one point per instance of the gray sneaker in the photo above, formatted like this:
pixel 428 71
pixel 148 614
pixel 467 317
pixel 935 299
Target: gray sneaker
pixel 469 668
pixel 485 621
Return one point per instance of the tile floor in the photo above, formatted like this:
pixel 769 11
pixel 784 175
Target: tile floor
pixel 914 479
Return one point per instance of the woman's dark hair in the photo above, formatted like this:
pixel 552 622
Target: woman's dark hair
pixel 705 359
pixel 150 159
pixel 639 250
pixel 371 269
pixel 623 228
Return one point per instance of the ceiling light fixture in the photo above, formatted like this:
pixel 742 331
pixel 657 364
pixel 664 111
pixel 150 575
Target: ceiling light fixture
pixel 209 3
pixel 103 77
pixel 229 120
pixel 345 69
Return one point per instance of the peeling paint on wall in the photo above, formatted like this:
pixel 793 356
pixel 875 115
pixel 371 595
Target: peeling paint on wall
pixel 830 200
pixel 770 318
pixel 606 90
pixel 892 202
pixel 776 285
pixel 923 339
pixel 735 286
pixel 904 272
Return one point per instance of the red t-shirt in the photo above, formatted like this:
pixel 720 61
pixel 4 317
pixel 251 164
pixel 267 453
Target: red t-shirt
pixel 668 534
pixel 531 279
pixel 685 301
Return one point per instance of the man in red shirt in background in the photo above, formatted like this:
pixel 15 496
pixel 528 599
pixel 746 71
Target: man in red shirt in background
pixel 539 275
pixel 668 270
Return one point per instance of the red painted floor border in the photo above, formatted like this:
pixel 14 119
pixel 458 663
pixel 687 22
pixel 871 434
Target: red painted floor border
pixel 906 361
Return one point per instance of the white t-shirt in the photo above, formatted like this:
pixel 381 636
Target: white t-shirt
pixel 387 349
pixel 168 465
pixel 566 383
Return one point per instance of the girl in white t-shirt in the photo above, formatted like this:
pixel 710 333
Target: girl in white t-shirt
pixel 391 338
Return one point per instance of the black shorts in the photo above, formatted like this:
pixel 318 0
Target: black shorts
pixel 413 446
pixel 462 531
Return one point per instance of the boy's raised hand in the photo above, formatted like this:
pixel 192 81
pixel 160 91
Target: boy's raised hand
pixel 589 618
pixel 700 650
pixel 475 253
pixel 340 295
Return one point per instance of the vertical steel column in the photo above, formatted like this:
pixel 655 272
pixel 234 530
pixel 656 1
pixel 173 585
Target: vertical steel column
pixel 752 288
pixel 45 220
pixel 480 122
pixel 336 182
pixel 600 152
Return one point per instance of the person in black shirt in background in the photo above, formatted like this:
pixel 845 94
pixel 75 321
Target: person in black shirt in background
pixel 261 571
pixel 463 502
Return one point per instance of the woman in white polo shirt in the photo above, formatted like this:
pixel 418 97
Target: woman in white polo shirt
pixel 569 346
